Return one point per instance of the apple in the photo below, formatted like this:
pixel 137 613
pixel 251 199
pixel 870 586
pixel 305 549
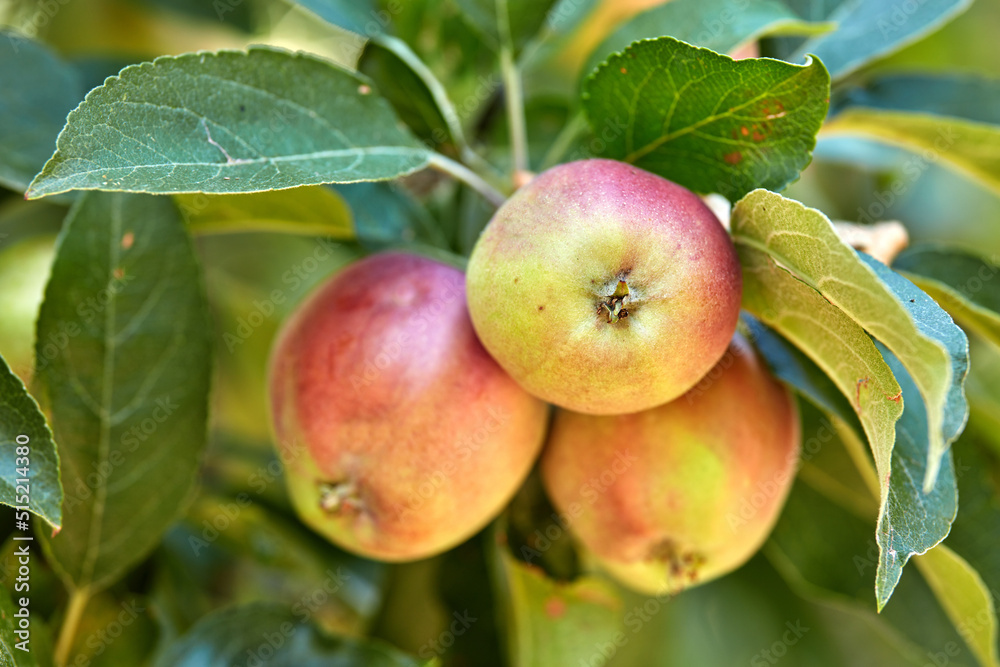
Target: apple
pixel 24 271
pixel 685 492
pixel 603 288
pixel 400 434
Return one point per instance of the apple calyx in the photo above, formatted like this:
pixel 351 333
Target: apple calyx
pixel 681 565
pixel 613 307
pixel 339 497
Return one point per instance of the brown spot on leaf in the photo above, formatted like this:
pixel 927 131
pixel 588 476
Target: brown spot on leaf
pixel 744 131
pixel 127 240
pixel 733 158
pixel 624 71
pixel 118 273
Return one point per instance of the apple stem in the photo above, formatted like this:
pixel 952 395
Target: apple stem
pixel 462 173
pixel 437 90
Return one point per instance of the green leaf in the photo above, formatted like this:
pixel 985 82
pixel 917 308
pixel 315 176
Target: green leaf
pixel 239 15
pixel 753 618
pixel 970 97
pixel 566 15
pixel 506 22
pixel 229 122
pixel 272 635
pixel 551 623
pixel 36 651
pixel 312 210
pixel 909 323
pixel 261 555
pixel 124 361
pixel 406 92
pixel 754 126
pixel 838 345
pixel 869 30
pixel 913 521
pixel 357 16
pixel 834 342
pixel 794 368
pixel 965 598
pixel 38 91
pixel 34 475
pixel 385 213
pixel 822 547
pixel 961 282
pixel 720 25
pixel 973 535
pixel 969 147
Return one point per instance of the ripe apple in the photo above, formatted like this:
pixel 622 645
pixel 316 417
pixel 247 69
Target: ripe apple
pixel 683 493
pixel 401 436
pixel 603 288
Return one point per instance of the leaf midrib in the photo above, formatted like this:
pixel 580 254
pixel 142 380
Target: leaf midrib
pixel 107 395
pixel 653 145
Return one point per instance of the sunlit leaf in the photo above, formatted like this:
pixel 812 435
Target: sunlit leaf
pixel 753 127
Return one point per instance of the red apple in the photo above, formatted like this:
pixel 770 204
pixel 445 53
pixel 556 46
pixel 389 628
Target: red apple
pixel 685 492
pixel 402 437
pixel 604 288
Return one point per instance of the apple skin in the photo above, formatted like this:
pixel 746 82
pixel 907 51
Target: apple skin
pixel 543 277
pixel 683 493
pixel 400 434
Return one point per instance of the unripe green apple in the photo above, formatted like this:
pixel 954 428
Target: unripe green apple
pixel 24 270
pixel 604 288
pixel 683 493
pixel 400 434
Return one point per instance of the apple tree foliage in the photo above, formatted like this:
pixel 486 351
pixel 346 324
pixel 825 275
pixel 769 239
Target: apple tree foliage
pixel 197 196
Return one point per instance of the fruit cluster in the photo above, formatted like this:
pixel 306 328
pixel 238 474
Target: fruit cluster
pixel 410 401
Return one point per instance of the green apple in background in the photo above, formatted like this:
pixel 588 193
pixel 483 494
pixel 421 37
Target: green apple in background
pixel 24 271
pixel 683 493
pixel 401 436
pixel 603 288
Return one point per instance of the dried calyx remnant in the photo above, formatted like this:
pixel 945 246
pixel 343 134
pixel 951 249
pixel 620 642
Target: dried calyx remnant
pixel 613 307
pixel 339 497
pixel 682 566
